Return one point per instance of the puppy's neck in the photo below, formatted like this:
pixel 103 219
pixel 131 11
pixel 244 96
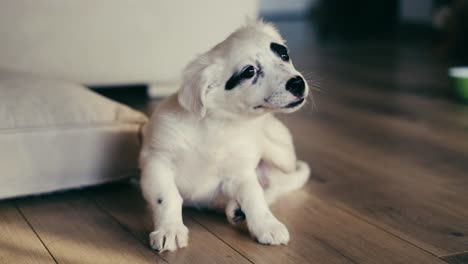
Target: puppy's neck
pixel 227 117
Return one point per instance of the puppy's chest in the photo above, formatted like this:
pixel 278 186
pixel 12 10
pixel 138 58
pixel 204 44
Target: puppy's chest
pixel 210 159
pixel 220 152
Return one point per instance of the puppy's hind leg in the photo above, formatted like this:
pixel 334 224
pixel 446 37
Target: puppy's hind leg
pixel 279 171
pixel 160 191
pixel 275 183
pixel 278 182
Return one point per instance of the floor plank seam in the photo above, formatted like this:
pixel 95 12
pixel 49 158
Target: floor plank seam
pixel 456 258
pixel 222 240
pixel 345 210
pixel 125 228
pixel 444 260
pixel 335 250
pixel 32 228
pixel 454 254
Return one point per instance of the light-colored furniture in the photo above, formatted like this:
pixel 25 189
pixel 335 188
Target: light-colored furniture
pixel 57 135
pixel 114 42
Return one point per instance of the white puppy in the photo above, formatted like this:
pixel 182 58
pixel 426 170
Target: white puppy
pixel 216 139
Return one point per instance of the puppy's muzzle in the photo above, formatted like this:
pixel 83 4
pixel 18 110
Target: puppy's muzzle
pixel 296 86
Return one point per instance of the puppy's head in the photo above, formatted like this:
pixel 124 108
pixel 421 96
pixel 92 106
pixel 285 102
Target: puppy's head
pixel 249 73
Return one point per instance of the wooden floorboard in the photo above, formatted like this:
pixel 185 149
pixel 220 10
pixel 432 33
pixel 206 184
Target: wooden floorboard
pixel 320 233
pixel 125 203
pixel 417 145
pixel 76 231
pixel 18 242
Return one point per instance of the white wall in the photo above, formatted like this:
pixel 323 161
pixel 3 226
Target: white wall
pixel 109 42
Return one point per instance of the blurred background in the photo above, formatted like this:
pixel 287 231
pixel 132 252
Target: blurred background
pixel 118 43
pixel 413 43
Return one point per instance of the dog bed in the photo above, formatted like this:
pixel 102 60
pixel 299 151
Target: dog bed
pixel 57 135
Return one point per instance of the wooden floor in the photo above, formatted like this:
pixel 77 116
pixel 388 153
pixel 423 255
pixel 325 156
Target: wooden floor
pixel 388 148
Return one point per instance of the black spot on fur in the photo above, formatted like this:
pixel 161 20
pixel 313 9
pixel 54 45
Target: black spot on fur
pixel 233 81
pixel 247 72
pixel 239 216
pixel 160 201
pixel 280 51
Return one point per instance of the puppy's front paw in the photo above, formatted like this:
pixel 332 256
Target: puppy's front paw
pixel 270 232
pixel 169 237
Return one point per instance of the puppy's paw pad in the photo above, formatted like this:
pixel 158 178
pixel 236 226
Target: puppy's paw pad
pixel 169 237
pixel 271 232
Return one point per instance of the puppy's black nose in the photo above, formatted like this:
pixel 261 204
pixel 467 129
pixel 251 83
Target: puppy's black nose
pixel 296 86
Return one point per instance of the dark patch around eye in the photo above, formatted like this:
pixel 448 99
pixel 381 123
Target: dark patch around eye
pixel 280 50
pixel 247 73
pixel 233 81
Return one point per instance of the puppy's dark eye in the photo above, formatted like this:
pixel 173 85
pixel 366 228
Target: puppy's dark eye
pixel 248 72
pixel 280 50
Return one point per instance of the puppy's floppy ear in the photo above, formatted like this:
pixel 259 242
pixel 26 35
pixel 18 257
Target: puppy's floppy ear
pixel 197 78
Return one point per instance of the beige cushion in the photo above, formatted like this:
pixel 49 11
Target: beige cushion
pixel 56 135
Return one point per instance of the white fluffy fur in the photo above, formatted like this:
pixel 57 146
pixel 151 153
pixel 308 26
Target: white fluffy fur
pixel 205 144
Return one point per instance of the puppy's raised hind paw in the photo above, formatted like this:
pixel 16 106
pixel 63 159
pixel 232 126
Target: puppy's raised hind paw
pixel 169 237
pixel 238 217
pixel 234 214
